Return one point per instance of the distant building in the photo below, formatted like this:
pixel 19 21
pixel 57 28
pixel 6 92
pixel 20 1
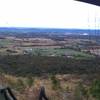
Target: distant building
pixel 68 55
pixel 27 51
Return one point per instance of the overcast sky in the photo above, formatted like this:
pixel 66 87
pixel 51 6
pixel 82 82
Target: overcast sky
pixel 48 14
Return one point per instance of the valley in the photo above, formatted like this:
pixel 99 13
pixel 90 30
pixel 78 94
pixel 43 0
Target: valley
pixel 66 64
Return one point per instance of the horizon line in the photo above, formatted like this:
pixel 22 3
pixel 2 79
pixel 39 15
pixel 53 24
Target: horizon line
pixel 23 27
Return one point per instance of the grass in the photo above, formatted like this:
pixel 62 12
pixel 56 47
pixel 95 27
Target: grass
pixel 60 52
pixel 6 42
pixel 45 51
pixel 23 91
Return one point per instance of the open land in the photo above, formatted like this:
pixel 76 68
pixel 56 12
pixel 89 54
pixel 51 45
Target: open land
pixel 66 65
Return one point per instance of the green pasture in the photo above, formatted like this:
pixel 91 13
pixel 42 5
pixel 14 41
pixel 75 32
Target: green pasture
pixel 58 52
pixel 6 42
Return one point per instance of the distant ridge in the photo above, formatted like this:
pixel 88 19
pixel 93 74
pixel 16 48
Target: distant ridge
pixel 22 30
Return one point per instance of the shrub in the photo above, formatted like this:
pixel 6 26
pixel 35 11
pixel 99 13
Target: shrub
pixel 55 83
pixel 95 89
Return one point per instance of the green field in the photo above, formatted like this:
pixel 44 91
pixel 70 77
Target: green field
pixel 6 42
pixel 43 51
pixel 58 52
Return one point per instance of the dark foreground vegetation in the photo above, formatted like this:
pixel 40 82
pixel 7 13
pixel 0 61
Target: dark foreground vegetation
pixel 67 78
pixel 23 65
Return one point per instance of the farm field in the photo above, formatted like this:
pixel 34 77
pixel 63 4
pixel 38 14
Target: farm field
pixel 57 52
pixel 43 47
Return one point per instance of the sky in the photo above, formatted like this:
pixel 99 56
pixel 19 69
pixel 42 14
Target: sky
pixel 49 14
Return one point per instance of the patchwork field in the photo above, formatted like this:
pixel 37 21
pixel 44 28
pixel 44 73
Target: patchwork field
pixel 43 47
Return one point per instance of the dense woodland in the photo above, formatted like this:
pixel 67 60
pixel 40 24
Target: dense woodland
pixel 23 65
